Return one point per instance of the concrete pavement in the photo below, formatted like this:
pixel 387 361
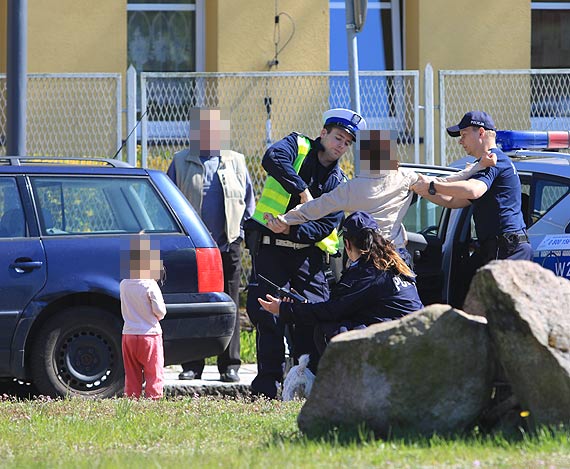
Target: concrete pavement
pixel 210 384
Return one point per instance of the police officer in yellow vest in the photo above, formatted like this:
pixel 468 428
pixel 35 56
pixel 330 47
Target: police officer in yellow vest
pixel 299 169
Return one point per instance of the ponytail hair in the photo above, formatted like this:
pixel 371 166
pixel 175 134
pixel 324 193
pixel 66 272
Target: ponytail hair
pixel 381 251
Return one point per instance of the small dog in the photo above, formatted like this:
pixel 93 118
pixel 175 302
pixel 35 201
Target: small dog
pixel 299 381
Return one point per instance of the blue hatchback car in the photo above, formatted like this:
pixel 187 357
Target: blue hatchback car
pixel 442 239
pixel 63 230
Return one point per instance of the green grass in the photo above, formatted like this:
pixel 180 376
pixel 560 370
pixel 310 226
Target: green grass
pixel 209 432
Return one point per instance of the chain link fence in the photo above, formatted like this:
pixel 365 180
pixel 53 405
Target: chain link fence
pixel 69 114
pixel 516 99
pixel 81 114
pixel 265 107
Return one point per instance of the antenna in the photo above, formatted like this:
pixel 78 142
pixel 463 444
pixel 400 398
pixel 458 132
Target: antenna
pixel 130 133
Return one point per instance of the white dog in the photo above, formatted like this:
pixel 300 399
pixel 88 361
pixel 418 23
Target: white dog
pixel 299 381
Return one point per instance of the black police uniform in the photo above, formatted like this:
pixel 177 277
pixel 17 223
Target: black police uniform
pixel 299 264
pixel 363 296
pixel 498 218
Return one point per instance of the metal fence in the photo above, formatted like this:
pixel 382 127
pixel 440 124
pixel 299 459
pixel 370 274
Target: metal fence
pixel 81 114
pixel 69 114
pixel 265 107
pixel 516 99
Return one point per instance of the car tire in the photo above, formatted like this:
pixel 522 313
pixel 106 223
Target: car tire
pixel 78 353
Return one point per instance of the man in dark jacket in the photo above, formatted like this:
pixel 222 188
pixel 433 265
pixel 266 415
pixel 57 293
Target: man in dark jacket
pixel 298 169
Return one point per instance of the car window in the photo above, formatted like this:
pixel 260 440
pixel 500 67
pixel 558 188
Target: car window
pixel 12 221
pixel 80 205
pixel 423 216
pixel 547 192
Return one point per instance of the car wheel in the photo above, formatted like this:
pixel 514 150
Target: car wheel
pixel 78 353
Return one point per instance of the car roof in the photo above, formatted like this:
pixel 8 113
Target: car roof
pixel 432 167
pixel 66 165
pixel 551 165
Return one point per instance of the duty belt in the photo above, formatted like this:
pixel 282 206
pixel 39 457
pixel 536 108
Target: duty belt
pixel 510 237
pixel 284 243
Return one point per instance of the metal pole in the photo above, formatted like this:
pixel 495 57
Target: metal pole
pixel 352 56
pixel 16 79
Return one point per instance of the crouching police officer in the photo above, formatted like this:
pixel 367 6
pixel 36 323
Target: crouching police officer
pixel 298 169
pixel 378 286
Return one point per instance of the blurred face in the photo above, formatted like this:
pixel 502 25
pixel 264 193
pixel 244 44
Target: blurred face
pixel 377 152
pixel 336 143
pixel 145 262
pixel 209 131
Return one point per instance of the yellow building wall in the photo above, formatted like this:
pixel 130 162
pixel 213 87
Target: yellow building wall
pixel 240 35
pixel 488 35
pixel 77 36
pixel 461 35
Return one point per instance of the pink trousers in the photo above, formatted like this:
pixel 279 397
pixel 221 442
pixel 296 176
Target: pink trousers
pixel 143 358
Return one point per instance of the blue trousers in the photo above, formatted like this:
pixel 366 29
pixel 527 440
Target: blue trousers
pixel 301 269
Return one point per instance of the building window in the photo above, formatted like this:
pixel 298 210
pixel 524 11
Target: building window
pixel 165 36
pixel 550 36
pixel 380 43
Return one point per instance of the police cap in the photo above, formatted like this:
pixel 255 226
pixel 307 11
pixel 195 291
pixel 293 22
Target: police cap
pixel 345 118
pixel 357 222
pixel 472 119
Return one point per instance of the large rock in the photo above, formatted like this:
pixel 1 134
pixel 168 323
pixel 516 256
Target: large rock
pixel 528 310
pixel 428 372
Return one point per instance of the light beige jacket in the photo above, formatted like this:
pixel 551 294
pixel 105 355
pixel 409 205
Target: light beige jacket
pixel 386 197
pixel 233 176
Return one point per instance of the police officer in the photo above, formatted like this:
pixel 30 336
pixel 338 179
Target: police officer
pixel 298 169
pixel 378 286
pixel 495 193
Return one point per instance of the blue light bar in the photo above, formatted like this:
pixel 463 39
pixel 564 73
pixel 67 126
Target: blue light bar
pixel 510 140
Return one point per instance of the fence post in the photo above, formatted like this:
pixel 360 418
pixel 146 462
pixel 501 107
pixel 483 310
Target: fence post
pixel 429 112
pixel 442 156
pixel 144 120
pixel 416 117
pixel 132 115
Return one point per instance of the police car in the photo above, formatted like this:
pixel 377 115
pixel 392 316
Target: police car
pixel 442 239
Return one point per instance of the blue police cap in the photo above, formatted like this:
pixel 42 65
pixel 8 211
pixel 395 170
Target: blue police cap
pixel 357 222
pixel 345 118
pixel 472 119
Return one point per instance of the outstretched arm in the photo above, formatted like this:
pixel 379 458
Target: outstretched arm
pixel 448 200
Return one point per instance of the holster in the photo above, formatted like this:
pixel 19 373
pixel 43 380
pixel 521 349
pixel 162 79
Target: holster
pixel 252 243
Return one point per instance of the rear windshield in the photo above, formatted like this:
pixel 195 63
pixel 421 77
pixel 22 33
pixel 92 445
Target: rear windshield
pixel 100 205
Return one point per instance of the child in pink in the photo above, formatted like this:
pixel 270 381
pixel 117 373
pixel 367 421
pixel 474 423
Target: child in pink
pixel 142 307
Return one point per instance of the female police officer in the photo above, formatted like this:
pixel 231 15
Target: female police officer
pixel 378 286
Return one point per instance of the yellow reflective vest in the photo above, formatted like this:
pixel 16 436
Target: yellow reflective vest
pixel 275 199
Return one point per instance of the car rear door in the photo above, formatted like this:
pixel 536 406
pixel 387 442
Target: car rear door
pixel 548 220
pixel 22 261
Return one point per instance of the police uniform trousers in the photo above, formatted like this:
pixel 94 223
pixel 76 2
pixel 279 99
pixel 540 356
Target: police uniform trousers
pixel 230 358
pixel 301 269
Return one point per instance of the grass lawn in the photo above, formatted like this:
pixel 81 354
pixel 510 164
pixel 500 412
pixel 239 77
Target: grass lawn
pixel 208 432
